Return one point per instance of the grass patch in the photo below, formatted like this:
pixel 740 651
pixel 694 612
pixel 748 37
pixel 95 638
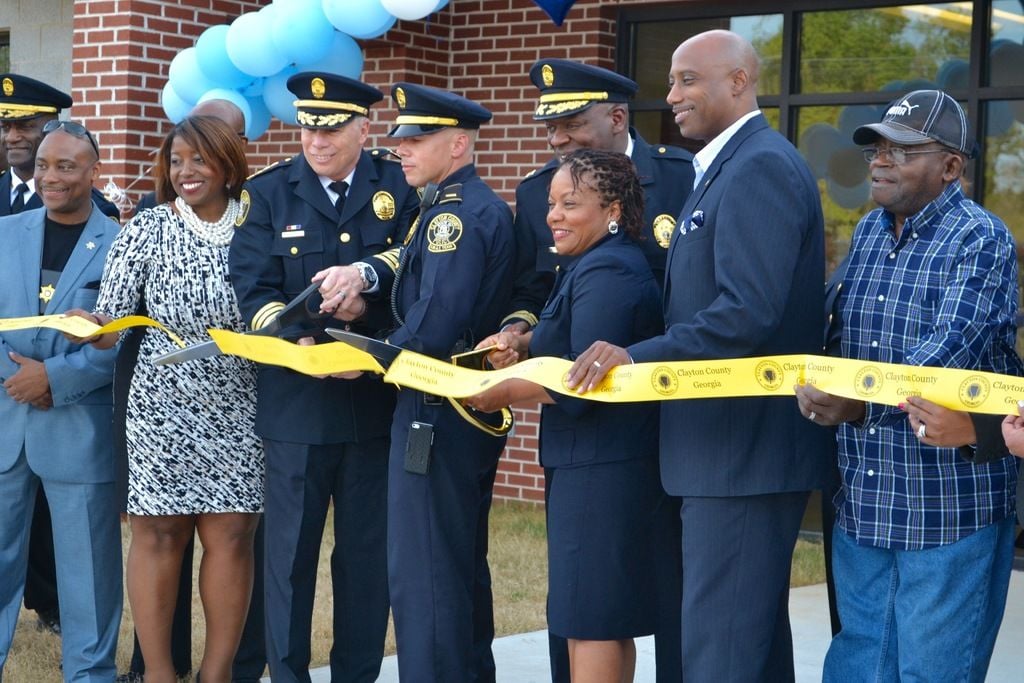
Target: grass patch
pixel 518 558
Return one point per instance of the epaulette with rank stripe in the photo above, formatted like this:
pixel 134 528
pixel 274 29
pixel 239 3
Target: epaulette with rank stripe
pixel 452 193
pixel 268 168
pixel 384 153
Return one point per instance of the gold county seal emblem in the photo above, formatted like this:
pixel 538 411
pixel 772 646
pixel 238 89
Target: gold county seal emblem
pixel 662 227
pixel 547 74
pixel 400 98
pixel 973 391
pixel 244 202
pixel 664 380
pixel 769 375
pixel 868 381
pixel 318 87
pixel 384 205
pixel 443 231
pixel 8 87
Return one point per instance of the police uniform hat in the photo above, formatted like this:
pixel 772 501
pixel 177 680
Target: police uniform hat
pixel 567 88
pixel 422 110
pixel 22 97
pixel 328 100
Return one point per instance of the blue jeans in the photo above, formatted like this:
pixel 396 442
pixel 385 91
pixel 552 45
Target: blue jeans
pixel 919 615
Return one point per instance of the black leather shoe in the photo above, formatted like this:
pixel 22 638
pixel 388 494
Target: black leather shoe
pixel 130 677
pixel 48 620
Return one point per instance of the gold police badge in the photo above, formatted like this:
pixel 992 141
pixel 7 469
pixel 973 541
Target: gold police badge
pixel 664 380
pixel 318 87
pixel 443 232
pixel 384 205
pixel 244 202
pixel 662 227
pixel 400 98
pixel 8 87
pixel 973 391
pixel 548 75
pixel 769 375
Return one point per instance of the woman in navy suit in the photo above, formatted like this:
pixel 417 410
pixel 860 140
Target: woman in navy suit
pixel 608 518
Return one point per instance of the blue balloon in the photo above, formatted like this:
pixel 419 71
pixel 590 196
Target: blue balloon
pixel 250 45
pixel 234 97
pixel 359 18
pixel 440 5
pixel 278 98
pixel 212 56
pixel 301 32
pixel 253 89
pixel 184 74
pixel 175 107
pixel 260 121
pixel 344 58
pixel 954 74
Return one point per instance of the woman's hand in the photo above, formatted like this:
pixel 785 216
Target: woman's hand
pixel 938 426
pixel 1013 431
pixel 352 374
pixel 490 401
pixel 511 348
pixel 103 341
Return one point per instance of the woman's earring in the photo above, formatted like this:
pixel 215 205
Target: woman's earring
pixel 613 227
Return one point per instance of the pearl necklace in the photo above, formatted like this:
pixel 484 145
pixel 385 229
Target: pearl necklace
pixel 219 233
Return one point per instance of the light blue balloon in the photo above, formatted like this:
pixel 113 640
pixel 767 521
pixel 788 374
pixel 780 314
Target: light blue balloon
pixel 440 5
pixel 344 58
pixel 278 98
pixel 186 77
pixel 359 18
pixel 234 97
pixel 301 31
pixel 253 89
pixel 260 121
pixel 212 56
pixel 250 45
pixel 175 107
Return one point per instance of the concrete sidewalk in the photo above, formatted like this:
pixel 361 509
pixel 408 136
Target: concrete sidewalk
pixel 523 658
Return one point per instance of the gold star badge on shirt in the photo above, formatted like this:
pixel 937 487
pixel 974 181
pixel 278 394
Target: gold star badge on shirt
pixel 90 245
pixel 46 293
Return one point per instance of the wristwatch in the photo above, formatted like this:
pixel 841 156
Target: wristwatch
pixel 368 274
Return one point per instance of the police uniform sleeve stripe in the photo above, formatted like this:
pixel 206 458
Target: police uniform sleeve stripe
pixel 525 316
pixel 389 258
pixel 266 314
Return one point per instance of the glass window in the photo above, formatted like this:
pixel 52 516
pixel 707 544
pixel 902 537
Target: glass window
pixel 1003 150
pixel 5 51
pixel 1006 47
pixel 885 48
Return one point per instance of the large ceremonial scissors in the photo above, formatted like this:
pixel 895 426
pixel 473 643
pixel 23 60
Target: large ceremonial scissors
pixel 303 309
pixel 495 424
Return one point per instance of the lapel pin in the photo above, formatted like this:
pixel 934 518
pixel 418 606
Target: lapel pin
pixel 90 245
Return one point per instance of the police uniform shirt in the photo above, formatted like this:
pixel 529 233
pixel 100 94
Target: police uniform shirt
pixel 666 175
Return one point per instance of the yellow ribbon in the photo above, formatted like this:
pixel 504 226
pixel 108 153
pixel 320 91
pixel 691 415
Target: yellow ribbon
pixel 80 327
pixel 319 359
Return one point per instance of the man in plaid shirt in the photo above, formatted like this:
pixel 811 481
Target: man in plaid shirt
pixel 923 543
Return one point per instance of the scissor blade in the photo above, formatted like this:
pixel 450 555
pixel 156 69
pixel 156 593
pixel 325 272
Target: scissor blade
pixel 195 352
pixel 382 351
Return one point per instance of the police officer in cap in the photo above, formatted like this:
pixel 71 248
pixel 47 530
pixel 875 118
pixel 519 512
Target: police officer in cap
pixel 26 106
pixel 454 279
pixel 585 106
pixel 326 439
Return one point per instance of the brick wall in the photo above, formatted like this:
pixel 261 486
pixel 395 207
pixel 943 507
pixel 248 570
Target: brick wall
pixel 481 48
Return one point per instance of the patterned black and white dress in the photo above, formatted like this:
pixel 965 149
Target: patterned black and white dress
pixel 191 444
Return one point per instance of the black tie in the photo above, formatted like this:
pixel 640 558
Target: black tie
pixel 19 198
pixel 341 187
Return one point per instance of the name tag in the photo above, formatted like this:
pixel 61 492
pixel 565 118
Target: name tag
pixel 293 233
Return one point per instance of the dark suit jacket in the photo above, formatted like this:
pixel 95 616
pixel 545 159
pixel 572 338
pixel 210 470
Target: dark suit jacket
pixel 291 232
pixel 36 202
pixel 743 279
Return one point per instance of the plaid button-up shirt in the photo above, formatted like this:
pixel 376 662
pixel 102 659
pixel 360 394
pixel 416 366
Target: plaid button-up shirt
pixel 944 294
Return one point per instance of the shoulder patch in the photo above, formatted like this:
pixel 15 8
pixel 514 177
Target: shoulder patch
pixel 244 202
pixel 443 232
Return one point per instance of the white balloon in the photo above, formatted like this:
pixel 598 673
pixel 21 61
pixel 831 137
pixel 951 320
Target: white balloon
pixel 409 9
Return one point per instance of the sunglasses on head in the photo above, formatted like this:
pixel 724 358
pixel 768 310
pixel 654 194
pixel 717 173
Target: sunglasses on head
pixel 72 128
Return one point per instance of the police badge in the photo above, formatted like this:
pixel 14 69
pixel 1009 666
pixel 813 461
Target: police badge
pixel 384 205
pixel 662 227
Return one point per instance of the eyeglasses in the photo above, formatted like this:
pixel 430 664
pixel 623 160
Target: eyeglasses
pixel 897 155
pixel 72 128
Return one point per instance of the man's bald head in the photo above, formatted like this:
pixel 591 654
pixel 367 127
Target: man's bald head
pixel 226 111
pixel 713 83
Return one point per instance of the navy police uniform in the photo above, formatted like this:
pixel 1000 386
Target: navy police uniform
pixel 23 98
pixel 453 284
pixel 325 439
pixel 666 175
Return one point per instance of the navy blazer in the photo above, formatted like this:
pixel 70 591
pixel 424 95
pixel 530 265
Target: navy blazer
pixel 292 231
pixel 36 202
pixel 744 278
pixel 666 175
pixel 606 293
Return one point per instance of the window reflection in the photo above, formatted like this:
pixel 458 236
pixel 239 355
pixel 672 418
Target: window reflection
pixel 894 49
pixel 1004 163
pixel 1006 55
